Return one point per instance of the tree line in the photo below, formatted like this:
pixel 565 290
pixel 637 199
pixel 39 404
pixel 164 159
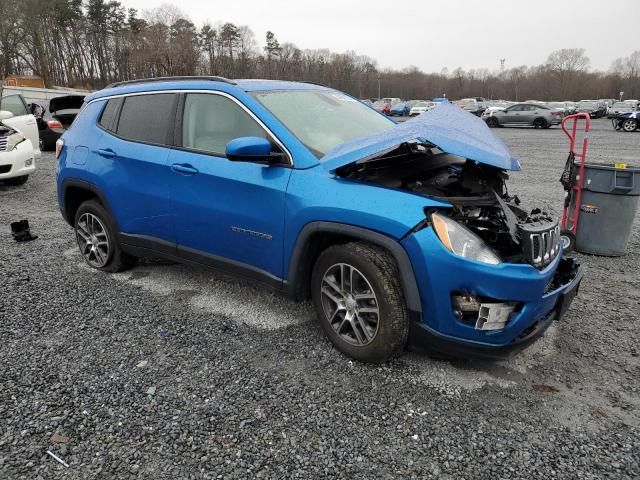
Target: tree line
pixel 92 43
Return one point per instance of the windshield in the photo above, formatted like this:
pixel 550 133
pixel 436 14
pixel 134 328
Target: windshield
pixel 422 104
pixel 322 119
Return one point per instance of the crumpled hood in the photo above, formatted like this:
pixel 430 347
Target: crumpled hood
pixel 446 126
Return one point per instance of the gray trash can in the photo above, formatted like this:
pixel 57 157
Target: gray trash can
pixel 607 208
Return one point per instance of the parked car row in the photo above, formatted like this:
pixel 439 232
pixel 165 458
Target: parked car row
pixel 486 108
pixel 396 107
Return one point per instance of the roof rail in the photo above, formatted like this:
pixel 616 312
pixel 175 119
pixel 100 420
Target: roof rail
pixel 171 79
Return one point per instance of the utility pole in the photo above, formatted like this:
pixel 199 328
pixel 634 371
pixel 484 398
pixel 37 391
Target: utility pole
pixel 378 87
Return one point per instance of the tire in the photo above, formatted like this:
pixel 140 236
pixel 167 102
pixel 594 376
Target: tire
pixel 17 181
pixel 629 125
pixel 93 228
pixel 373 275
pixel 567 241
pixel 492 122
pixel 540 123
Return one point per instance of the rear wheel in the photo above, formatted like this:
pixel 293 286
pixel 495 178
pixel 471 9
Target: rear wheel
pixel 629 125
pixel 540 123
pixel 359 301
pixel 97 241
pixel 16 181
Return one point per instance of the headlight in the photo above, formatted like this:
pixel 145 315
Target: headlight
pixel 14 140
pixel 460 240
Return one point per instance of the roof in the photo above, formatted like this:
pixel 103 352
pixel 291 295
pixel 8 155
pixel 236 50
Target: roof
pixel 201 83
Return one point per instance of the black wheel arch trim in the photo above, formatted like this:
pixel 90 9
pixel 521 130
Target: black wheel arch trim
pixel 407 276
pixel 82 184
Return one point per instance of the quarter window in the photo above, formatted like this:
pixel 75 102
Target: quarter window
pixel 147 118
pixel 14 104
pixel 211 121
pixel 109 113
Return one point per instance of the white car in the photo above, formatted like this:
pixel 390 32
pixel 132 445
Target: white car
pixel 495 107
pixel 21 118
pixel 17 154
pixel 475 105
pixel 420 107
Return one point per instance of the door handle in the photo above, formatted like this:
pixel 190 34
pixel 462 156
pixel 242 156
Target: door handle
pixel 106 152
pixel 184 168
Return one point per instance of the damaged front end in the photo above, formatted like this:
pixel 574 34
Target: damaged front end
pixel 479 199
pixel 10 138
pixel 491 274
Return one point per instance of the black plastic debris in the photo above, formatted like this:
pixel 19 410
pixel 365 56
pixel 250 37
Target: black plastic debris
pixel 21 232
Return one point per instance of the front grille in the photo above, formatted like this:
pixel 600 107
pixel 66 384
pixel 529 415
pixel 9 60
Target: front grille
pixel 4 141
pixel 540 242
pixel 5 168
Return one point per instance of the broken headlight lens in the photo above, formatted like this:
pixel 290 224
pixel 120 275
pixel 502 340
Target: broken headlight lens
pixel 14 140
pixel 460 240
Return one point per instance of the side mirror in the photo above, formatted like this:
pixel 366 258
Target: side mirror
pixel 251 149
pixel 5 115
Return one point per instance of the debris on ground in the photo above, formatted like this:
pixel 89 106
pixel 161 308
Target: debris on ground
pixel 57 458
pixel 541 387
pixel 57 438
pixel 21 232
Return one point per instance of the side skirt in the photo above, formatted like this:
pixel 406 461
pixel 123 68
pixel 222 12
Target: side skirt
pixel 146 246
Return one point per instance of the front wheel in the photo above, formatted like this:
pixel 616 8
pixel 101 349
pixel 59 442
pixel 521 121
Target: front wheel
pixel 359 301
pixel 492 122
pixel 97 240
pixel 629 125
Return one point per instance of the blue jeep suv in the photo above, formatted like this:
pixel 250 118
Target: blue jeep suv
pixel 404 235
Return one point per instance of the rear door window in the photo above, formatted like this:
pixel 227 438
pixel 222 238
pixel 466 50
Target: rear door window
pixel 14 104
pixel 148 118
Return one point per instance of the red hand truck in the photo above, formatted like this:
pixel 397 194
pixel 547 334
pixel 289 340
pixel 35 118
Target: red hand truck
pixel 573 183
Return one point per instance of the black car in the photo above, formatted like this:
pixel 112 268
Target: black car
pixel 54 117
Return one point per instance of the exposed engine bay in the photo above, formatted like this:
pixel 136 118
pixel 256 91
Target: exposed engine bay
pixel 477 192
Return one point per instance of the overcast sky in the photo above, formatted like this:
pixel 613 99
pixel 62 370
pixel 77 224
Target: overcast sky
pixel 432 34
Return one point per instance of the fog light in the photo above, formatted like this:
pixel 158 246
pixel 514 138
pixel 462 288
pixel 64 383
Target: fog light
pixel 481 312
pixel 28 163
pixel 494 316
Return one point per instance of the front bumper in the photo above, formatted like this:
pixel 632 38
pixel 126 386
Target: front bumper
pixel 542 296
pixel 18 162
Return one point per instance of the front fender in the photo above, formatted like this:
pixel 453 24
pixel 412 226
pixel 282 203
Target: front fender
pixel 318 201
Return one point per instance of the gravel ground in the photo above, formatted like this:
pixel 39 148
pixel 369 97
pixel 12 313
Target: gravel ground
pixel 170 372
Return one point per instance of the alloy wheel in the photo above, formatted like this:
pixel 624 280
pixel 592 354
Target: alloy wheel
pixel 93 240
pixel 350 305
pixel 629 125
